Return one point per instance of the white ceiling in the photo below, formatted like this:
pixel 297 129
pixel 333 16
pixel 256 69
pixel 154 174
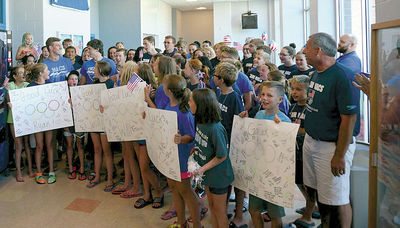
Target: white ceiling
pixel 185 5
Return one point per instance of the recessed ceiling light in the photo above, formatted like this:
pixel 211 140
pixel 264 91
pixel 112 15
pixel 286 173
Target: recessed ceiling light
pixel 201 8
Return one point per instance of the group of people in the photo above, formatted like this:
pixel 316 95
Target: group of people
pixel 207 85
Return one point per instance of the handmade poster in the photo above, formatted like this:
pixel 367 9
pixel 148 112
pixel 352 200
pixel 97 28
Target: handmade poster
pixel 160 128
pixel 263 159
pixel 41 108
pixel 123 113
pixel 86 107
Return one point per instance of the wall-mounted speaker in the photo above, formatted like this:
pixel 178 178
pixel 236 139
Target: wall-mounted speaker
pixel 249 20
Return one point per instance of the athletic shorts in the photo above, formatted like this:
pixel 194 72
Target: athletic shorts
pixel 218 191
pixel 317 174
pixel 258 204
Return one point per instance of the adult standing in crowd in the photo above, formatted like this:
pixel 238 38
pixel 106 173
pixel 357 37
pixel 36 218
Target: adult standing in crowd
pixel 169 44
pixel 58 65
pixel 150 50
pixel 329 123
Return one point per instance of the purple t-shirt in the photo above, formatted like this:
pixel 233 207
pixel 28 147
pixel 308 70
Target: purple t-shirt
pixel 161 99
pixel 185 127
pixel 87 69
pixel 58 69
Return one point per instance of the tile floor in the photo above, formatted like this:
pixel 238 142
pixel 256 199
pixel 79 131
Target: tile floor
pixel 68 203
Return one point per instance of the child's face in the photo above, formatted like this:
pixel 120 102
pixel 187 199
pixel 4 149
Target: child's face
pixel 198 54
pixel 73 80
pixel 258 61
pixel 217 79
pixel 131 54
pixel 188 71
pixel 208 54
pixel 299 92
pixel 92 51
pixel 112 53
pixel 301 61
pixel 284 56
pixel 30 61
pixel 270 99
pixel 120 57
pixel 45 52
pixel 45 73
pixel 20 76
pixel 192 104
pixel 155 67
pixel 86 55
pixel 264 70
pixel 67 44
pixel 192 48
pixel 70 53
pixel 28 40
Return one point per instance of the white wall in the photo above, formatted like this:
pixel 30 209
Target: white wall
pixel 198 25
pixel 119 21
pixel 156 20
pixel 24 16
pixel 387 10
pixel 57 20
pixel 94 18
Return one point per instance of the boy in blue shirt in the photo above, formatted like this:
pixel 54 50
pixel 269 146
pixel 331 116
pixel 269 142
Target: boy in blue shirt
pixel 58 65
pixel 271 94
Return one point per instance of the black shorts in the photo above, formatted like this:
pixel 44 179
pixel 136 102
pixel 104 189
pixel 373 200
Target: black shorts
pixel 299 160
pixel 218 191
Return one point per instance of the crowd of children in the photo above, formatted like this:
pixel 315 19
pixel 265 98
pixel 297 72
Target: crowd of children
pixel 206 86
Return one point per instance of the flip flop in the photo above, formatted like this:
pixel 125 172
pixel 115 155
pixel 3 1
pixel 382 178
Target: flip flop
pixel 119 190
pixel 82 176
pixel 203 213
pixel 142 203
pixel 315 214
pixel 159 200
pixel 92 176
pixel 52 178
pixel 129 194
pixel 300 223
pixel 19 179
pixel 40 178
pixel 109 187
pixel 92 184
pixel 169 215
pixel 233 225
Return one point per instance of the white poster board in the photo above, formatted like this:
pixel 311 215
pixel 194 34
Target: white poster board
pixel 41 108
pixel 161 127
pixel 86 105
pixel 263 159
pixel 123 109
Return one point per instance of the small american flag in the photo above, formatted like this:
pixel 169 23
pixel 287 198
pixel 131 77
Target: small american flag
pixel 264 36
pixel 141 54
pixel 237 45
pixel 272 45
pixel 133 81
pixel 228 40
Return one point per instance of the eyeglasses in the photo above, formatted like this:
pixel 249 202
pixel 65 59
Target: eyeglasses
pixel 216 75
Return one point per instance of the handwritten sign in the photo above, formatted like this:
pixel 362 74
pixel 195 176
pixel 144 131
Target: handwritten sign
pixel 161 126
pixel 263 159
pixel 86 105
pixel 41 108
pixel 123 111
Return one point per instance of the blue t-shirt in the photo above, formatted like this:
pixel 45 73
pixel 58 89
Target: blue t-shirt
pixel 262 115
pixel 161 99
pixel 351 61
pixel 185 127
pixel 170 54
pixel 58 69
pixel 242 83
pixel 287 70
pixel 329 96
pixel 87 69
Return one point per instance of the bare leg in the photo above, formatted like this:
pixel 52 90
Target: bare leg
pixel 108 157
pixel 18 152
pixel 133 166
pixel 190 199
pixel 147 172
pixel 239 198
pixel 310 196
pixel 49 147
pixel 217 204
pixel 79 145
pixel 98 158
pixel 69 151
pixel 39 150
pixel 28 155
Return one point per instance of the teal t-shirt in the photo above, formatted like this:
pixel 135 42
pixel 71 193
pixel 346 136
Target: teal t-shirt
pixel 212 141
pixel 329 96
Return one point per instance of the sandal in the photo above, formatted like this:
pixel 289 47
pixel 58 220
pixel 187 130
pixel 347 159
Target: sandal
pixel 52 178
pixel 129 194
pixel 142 203
pixel 169 215
pixel 109 187
pixel 92 176
pixel 82 176
pixel 203 213
pixel 176 225
pixel 233 225
pixel 315 214
pixel 119 190
pixel 72 175
pixel 92 184
pixel 158 200
pixel 40 178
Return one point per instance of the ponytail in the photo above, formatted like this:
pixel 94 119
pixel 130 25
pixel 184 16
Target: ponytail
pixel 177 85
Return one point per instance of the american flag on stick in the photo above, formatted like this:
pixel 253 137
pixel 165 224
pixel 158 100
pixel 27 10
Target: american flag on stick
pixel 5 83
pixel 133 81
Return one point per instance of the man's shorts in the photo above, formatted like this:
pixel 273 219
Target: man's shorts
pixel 257 204
pixel 317 174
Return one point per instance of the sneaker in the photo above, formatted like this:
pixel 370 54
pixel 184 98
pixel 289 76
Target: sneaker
pixel 52 178
pixel 40 178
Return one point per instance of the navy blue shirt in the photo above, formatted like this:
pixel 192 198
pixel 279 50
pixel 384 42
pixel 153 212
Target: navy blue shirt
pixel 287 70
pixel 230 104
pixel 329 96
pixel 297 72
pixel 247 64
